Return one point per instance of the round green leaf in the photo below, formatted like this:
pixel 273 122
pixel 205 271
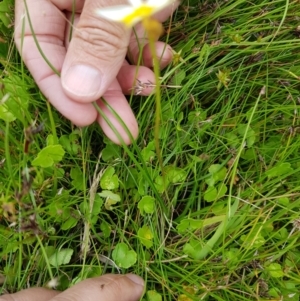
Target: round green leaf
pixel 154 296
pixel 175 174
pixel 212 194
pixel 6 115
pixel 146 204
pixel 49 155
pixel 123 257
pixel 77 178
pixel 61 257
pixel 148 152
pixel 109 180
pixel 279 170
pixel 161 184
pixel 70 223
pixel 145 236
pixel 111 199
pixel 275 270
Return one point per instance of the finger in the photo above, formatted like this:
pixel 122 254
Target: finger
pixel 95 54
pixel 136 80
pixel 128 74
pixel 105 288
pixel 163 53
pixel 139 51
pixel 119 105
pixel 31 294
pixel 139 42
pixel 49 28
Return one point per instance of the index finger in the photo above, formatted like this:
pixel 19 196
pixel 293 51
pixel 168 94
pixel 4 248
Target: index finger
pixel 48 27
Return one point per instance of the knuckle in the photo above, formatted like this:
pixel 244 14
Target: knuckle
pixel 107 39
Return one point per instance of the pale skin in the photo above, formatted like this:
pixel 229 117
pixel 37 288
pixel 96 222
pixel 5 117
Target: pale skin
pixel 92 65
pixel 105 288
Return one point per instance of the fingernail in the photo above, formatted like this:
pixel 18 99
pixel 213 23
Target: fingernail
pixel 136 279
pixel 82 80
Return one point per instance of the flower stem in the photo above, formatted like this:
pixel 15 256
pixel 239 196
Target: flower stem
pixel 154 29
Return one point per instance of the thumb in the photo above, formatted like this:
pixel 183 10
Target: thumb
pixel 105 288
pixel 95 54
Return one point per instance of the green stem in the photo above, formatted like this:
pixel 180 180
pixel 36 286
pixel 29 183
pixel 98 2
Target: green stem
pixel 45 256
pixel 55 140
pixel 37 42
pixel 157 101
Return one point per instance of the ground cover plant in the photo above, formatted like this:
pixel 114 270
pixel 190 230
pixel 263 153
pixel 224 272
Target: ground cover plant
pixel 219 220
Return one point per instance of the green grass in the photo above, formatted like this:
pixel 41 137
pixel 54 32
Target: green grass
pixel 225 223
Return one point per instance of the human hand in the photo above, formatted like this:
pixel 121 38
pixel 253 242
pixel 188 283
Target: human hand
pixel 105 288
pixel 92 65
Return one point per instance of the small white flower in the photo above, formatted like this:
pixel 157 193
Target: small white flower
pixel 136 11
pixel 53 283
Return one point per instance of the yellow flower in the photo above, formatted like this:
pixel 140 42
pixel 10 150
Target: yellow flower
pixel 133 13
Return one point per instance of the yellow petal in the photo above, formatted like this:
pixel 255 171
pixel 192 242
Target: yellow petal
pixel 138 14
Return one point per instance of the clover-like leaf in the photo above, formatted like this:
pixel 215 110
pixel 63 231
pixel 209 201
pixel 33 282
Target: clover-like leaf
pixel 253 241
pixel 275 270
pixel 109 180
pixel 290 290
pixel 131 178
pixel 187 47
pixel 70 143
pixel 123 257
pixel 283 201
pixel 232 256
pixel 98 202
pixel 218 172
pixel 178 77
pixel 279 170
pixel 161 184
pixel 232 139
pixel 146 204
pixel 49 155
pixel 148 152
pixel 60 257
pixel 5 114
pixel 77 178
pixel 145 236
pixel 153 295
pixel 50 140
pixel 213 193
pixel 196 117
pixel 41 259
pixel 192 248
pixel 282 234
pixel 111 198
pixel 111 152
pixel 70 223
pixel 189 224
pixel 250 134
pixel 175 174
pixel 249 154
pixel 5 9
